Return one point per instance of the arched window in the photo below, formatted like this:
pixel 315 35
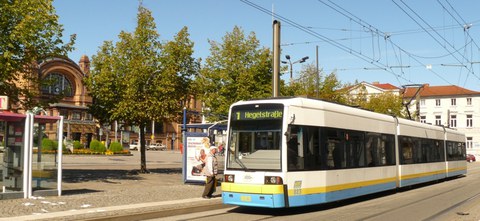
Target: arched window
pixel 55 83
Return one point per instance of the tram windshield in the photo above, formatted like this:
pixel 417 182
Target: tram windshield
pixel 255 137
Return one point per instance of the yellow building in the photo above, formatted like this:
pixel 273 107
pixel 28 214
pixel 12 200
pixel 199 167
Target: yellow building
pixel 79 124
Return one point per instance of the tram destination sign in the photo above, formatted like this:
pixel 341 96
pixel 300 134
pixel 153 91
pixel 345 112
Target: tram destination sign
pixel 257 114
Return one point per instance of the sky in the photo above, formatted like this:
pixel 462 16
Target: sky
pixel 401 42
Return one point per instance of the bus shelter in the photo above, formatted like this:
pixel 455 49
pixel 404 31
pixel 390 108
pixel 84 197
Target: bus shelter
pixel 27 166
pixel 194 144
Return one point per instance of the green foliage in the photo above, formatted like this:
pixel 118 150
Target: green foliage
pixel 48 144
pixel 386 103
pixel 94 144
pixel 327 88
pixel 237 69
pixel 77 145
pixel 141 73
pixel 97 146
pixel 116 147
pixel 139 79
pixel 30 33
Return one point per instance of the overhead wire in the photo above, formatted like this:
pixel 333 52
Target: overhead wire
pixel 364 24
pixel 328 40
pixel 426 23
pixel 466 28
pixel 373 61
pixel 463 20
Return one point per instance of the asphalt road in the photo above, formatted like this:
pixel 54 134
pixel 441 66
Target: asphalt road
pixel 102 181
pixel 455 199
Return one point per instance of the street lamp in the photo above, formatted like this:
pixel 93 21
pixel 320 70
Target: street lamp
pixel 291 64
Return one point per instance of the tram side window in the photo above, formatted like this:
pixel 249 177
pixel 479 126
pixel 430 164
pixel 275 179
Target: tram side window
pixel 420 150
pixel 434 150
pixel 380 149
pixel 293 153
pixel 303 149
pixel 346 149
pixel 455 151
pixel 406 149
pixel 355 149
pixel 319 148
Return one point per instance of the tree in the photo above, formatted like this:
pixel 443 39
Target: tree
pixel 30 32
pixel 104 83
pixel 327 88
pixel 237 69
pixel 386 103
pixel 140 80
pixel 330 89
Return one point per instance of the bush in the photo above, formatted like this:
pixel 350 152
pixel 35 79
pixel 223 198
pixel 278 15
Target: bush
pixel 77 144
pixel 94 144
pixel 116 147
pixel 48 144
pixel 97 146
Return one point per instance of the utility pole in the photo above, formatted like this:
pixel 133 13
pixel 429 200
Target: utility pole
pixel 318 75
pixel 276 59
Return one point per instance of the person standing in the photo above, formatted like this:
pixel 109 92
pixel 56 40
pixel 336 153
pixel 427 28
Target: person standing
pixel 210 171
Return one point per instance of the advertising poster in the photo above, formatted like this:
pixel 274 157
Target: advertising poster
pixel 196 152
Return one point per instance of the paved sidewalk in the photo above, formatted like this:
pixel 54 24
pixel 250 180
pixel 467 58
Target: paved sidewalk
pixel 97 192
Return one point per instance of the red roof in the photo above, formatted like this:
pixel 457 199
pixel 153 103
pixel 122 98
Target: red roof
pixel 385 86
pixel 432 91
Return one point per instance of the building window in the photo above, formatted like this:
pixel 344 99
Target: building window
pixel 469 142
pixel 76 115
pixel 422 102
pixel 56 84
pixel 469 101
pixel 88 116
pixel 423 119
pixel 453 121
pixel 438 120
pixel 469 120
pixel 437 102
pixel 454 102
pixel 63 113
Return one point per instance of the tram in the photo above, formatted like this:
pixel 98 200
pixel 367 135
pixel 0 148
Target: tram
pixel 290 152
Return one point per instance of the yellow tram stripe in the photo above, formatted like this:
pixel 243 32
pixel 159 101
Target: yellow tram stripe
pixel 325 189
pixel 278 189
pixel 252 188
pixel 456 169
pixel 417 175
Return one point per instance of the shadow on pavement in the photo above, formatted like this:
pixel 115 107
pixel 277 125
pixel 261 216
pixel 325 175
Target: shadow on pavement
pixel 106 176
pixel 78 191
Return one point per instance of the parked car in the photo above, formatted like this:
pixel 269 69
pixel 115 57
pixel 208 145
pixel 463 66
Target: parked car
pixel 471 158
pixel 157 146
pixel 135 145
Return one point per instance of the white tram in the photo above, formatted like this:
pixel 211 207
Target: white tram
pixel 297 151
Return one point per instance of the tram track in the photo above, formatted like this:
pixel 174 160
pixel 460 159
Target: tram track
pixel 161 214
pixel 376 207
pixel 419 203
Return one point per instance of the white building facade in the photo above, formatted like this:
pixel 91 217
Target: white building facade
pixel 449 106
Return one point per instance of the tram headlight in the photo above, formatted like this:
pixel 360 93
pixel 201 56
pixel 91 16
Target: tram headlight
pixel 273 180
pixel 229 178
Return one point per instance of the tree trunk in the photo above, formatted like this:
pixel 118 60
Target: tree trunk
pixel 143 158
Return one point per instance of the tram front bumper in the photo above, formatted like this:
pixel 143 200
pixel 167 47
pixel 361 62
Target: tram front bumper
pixel 256 195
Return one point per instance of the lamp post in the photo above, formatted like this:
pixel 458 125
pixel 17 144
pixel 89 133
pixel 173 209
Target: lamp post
pixel 291 64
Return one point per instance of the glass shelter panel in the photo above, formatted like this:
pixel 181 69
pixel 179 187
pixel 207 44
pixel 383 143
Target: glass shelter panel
pixel 46 153
pixel 12 155
pixel 44 159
